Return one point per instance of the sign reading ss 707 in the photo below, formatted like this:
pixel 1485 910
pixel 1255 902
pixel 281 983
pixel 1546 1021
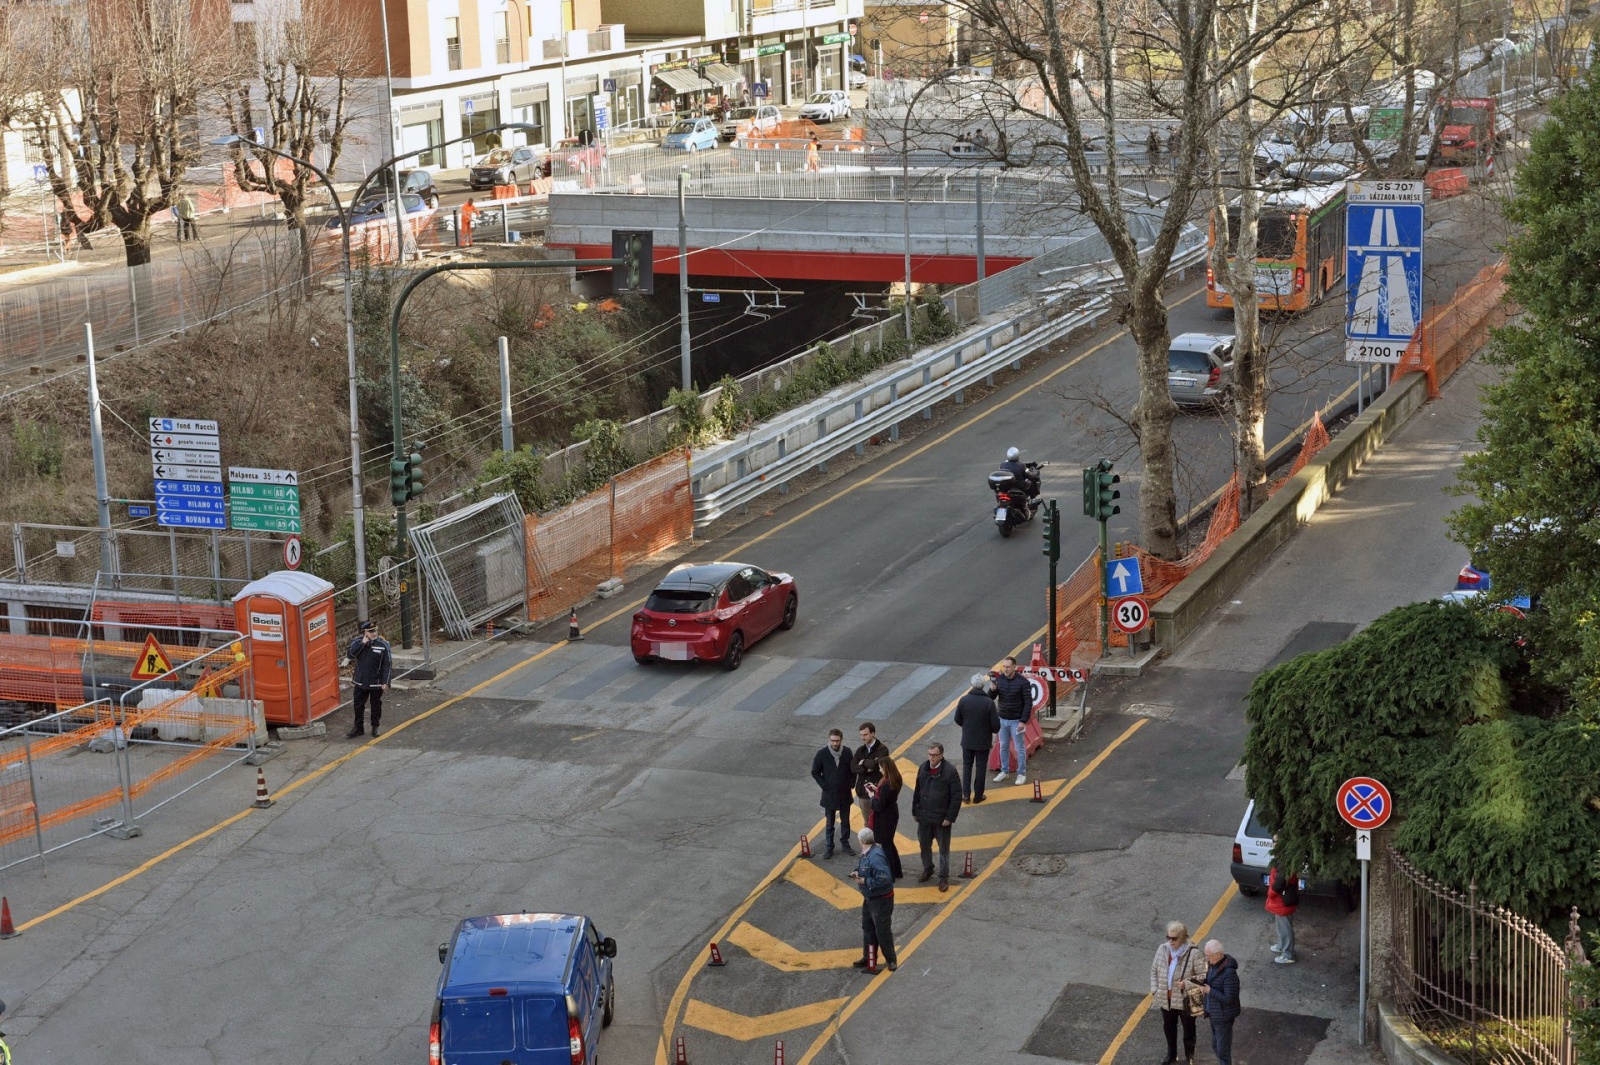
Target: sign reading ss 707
pixel 1383 281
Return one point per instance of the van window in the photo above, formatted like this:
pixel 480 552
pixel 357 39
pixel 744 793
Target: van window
pixel 544 1023
pixel 483 1025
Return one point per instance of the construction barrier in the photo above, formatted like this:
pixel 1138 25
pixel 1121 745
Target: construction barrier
pixel 1447 182
pixel 1449 335
pixel 639 514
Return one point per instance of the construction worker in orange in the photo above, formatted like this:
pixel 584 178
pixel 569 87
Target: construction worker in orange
pixel 469 214
pixel 813 156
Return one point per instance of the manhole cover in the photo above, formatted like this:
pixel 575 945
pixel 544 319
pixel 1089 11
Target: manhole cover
pixel 1161 710
pixel 1041 864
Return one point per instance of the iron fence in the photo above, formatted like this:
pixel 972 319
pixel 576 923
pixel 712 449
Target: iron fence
pixel 1485 984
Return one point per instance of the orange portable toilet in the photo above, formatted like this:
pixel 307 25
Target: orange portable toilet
pixel 294 654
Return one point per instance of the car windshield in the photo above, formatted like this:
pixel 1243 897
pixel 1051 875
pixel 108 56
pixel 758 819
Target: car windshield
pixel 680 600
pixel 743 112
pixel 821 98
pixel 498 157
pixel 1464 116
pixel 683 127
pixel 1181 361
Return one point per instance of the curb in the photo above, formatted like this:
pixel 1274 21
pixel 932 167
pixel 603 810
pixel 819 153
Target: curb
pixel 1403 1042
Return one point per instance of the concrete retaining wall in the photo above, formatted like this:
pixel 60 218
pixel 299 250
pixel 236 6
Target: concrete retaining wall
pixel 1403 1042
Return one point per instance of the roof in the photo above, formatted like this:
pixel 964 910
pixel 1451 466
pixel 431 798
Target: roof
pixel 295 587
pixel 1305 198
pixel 522 952
pixel 708 573
pixel 1200 341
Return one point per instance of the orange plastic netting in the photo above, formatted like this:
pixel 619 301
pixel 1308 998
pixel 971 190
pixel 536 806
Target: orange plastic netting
pixel 1451 334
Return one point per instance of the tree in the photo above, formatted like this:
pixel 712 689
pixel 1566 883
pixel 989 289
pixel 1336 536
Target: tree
pixel 115 105
pixel 1535 522
pixel 296 80
pixel 14 86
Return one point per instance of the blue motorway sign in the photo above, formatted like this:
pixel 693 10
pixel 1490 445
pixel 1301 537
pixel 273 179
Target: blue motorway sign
pixel 190 505
pixel 1123 577
pixel 181 520
pixel 1383 302
pixel 188 488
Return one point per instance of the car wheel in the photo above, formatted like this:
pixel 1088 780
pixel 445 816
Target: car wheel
pixel 735 653
pixel 790 610
pixel 433 202
pixel 1249 892
pixel 644 660
pixel 611 1003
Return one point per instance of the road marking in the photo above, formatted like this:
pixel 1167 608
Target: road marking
pixel 764 1026
pixel 997 793
pixel 986 841
pixel 290 788
pixel 780 955
pixel 824 885
pixel 1143 1007
pixel 587 735
pixel 944 912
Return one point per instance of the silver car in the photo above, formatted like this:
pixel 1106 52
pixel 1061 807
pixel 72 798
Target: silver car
pixel 1200 369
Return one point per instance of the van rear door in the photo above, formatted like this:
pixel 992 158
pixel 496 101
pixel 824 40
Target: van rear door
pixel 478 1031
pixel 545 1037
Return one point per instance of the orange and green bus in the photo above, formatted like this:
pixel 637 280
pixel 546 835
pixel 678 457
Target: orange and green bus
pixel 1300 249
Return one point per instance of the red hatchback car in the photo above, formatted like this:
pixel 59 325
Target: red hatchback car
pixel 712 613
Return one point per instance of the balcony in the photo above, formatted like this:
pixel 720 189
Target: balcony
pixel 502 52
pixel 777 16
pixel 584 43
pixel 452 56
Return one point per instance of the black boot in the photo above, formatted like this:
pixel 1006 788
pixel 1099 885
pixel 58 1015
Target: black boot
pixel 828 849
pixel 845 843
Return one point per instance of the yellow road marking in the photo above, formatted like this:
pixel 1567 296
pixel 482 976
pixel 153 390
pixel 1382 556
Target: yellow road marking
pixel 938 919
pixel 987 841
pixel 1199 936
pixel 823 885
pixel 765 1026
pixel 1012 793
pixel 780 955
pixel 316 774
pixel 926 896
pixel 588 735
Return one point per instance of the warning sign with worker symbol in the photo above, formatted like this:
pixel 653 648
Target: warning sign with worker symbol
pixel 153 661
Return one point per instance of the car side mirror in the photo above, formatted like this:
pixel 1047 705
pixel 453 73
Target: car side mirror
pixel 444 952
pixel 608 947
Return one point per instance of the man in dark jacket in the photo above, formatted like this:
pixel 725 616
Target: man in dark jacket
pixel 373 662
pixel 872 876
pixel 866 766
pixel 979 721
pixel 833 772
pixel 1222 999
pixel 1013 696
pixel 935 802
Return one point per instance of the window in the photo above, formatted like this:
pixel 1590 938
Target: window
pixel 1182 361
pixel 478 124
pixel 569 19
pixel 680 601
pixel 536 115
pixel 244 38
pixel 502 38
pixel 452 43
pixel 482 1025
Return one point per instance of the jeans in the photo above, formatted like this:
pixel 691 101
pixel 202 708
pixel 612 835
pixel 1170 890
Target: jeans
pixel 877 916
pixel 843 813
pixel 1011 730
pixel 1285 929
pixel 972 783
pixel 360 703
pixel 1222 1040
pixel 1169 1026
pixel 926 834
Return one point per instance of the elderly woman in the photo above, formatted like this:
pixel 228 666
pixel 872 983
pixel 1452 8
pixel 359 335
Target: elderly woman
pixel 1177 966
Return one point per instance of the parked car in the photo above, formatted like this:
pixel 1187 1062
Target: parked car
pixel 742 121
pixel 504 166
pixel 827 106
pixel 523 989
pixel 858 78
pixel 1252 862
pixel 417 181
pixel 1200 369
pixel 691 135
pixel 573 156
pixel 376 208
pixel 712 613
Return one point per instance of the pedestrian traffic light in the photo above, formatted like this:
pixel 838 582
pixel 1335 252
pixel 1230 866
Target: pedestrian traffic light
pixel 1105 495
pixel 414 483
pixel 1052 531
pixel 636 275
pixel 398 477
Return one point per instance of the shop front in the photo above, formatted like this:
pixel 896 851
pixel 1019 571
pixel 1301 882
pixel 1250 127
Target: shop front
pixel 480 113
pixel 627 101
pixel 580 103
pixel 769 69
pixel 421 130
pixel 531 104
pixel 701 86
pixel 831 61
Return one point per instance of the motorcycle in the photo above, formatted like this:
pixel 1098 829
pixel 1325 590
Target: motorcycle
pixel 1015 504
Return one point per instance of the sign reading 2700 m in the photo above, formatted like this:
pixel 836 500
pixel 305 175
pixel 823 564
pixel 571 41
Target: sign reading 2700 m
pixel 1383 302
pixel 1364 803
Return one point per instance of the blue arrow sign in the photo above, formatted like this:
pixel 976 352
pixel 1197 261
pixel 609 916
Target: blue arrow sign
pixel 191 504
pixel 188 488
pixel 185 520
pixel 1123 577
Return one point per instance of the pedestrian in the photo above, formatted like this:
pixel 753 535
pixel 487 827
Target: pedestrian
pixel 5 1051
pixel 1283 898
pixel 469 213
pixel 1174 975
pixel 188 226
pixel 832 770
pixel 1013 696
pixel 1152 144
pixel 373 663
pixel 979 721
pixel 813 156
pixel 866 766
pixel 1175 141
pixel 980 138
pixel 1221 987
pixel 886 811
pixel 935 802
pixel 872 876
pixel 1000 144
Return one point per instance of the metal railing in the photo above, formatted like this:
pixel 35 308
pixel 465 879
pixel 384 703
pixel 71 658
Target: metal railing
pixel 1483 983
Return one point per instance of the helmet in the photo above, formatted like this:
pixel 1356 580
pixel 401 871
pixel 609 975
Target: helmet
pixel 1013 454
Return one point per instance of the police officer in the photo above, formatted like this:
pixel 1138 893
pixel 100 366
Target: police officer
pixel 373 662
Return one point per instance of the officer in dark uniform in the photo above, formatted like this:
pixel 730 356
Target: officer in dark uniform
pixel 373 663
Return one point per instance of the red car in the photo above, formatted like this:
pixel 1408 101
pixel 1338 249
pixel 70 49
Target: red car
pixel 712 613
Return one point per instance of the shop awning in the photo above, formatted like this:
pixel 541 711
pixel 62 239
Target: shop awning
pixel 723 74
pixel 685 80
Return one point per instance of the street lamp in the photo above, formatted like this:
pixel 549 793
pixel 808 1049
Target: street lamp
pixel 905 180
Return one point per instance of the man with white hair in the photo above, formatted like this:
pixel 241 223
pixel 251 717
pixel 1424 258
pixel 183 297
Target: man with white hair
pixel 876 882
pixel 979 720
pixel 1221 987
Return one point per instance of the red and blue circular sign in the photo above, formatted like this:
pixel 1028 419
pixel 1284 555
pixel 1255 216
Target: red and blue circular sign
pixel 1364 803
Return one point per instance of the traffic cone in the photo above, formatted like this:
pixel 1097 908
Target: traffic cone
pixel 777 1053
pixel 263 799
pixel 872 960
pixel 716 957
pixel 7 929
pixel 488 629
pixel 573 634
pixel 1036 661
pixel 680 1053
pixel 805 846
pixel 1038 793
pixel 966 872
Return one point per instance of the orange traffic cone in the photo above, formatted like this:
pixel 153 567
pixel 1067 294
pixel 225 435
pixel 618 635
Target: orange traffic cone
pixel 7 929
pixel 966 872
pixel 1038 793
pixel 573 634
pixel 777 1053
pixel 263 799
pixel 680 1053
pixel 805 846
pixel 716 956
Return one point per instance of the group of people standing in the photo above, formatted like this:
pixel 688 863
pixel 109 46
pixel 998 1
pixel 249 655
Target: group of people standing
pixel 1188 982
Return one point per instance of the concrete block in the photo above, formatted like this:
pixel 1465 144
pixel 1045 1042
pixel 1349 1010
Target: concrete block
pixel 609 587
pixel 315 730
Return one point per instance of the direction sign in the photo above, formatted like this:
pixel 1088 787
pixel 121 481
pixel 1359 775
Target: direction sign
pixel 137 511
pixel 189 488
pixel 280 508
pixel 191 503
pixel 263 500
pixel 1123 577
pixel 265 523
pixel 198 442
pixel 1130 614
pixel 1363 844
pixel 184 457
pixel 256 475
pixel 182 519
pixel 282 492
pixel 1364 803
pixel 168 471
pixel 183 425
pixel 1383 303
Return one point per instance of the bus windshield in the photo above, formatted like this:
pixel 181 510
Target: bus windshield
pixel 1276 232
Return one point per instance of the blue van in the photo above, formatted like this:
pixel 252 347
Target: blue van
pixel 522 989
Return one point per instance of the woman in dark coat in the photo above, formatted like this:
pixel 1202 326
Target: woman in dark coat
pixel 886 812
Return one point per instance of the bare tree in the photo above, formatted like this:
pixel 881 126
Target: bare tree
pixel 298 80
pixel 14 86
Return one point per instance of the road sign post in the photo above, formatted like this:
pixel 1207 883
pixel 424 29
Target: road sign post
pixel 1365 805
pixel 1052 551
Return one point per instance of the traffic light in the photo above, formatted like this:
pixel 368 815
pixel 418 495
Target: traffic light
pixel 637 275
pixel 1105 495
pixel 414 483
pixel 1091 491
pixel 1052 532
pixel 398 477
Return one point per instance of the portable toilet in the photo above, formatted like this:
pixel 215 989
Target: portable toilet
pixel 294 654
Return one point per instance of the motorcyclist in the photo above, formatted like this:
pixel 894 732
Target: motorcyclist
pixel 1027 479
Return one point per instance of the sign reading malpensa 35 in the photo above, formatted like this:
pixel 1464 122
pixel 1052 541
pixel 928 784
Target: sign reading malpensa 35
pixel 1383 282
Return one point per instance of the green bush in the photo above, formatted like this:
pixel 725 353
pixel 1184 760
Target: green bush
pixel 36 449
pixel 523 470
pixel 692 428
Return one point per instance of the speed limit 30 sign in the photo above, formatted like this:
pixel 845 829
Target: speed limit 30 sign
pixel 1130 614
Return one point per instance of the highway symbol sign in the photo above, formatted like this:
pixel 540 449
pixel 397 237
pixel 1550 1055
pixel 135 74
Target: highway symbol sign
pixel 1383 303
pixel 153 661
pixel 192 504
pixel 266 523
pixel 1364 803
pixel 1130 614
pixel 1123 577
pixel 291 552
pixel 1363 845
pixel 282 492
pixel 256 475
pixel 168 471
pixel 182 519
pixel 183 425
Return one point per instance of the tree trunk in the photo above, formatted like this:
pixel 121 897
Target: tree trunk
pixel 1153 418
pixel 136 242
pixel 295 213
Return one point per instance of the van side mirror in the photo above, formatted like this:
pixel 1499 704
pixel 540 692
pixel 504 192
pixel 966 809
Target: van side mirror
pixel 608 947
pixel 444 952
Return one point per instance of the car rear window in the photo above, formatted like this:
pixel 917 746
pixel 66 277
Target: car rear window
pixel 1256 828
pixel 544 1021
pixel 1188 361
pixel 680 601
pixel 481 1025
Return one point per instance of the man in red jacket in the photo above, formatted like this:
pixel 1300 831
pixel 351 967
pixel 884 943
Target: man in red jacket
pixel 1283 898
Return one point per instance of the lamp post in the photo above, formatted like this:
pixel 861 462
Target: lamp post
pixel 683 276
pixel 905 181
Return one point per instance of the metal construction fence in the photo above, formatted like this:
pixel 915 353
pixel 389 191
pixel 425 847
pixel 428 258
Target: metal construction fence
pixel 474 561
pixel 1484 984
pixel 125 747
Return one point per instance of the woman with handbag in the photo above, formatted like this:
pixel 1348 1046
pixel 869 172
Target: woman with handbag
pixel 885 809
pixel 1178 964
